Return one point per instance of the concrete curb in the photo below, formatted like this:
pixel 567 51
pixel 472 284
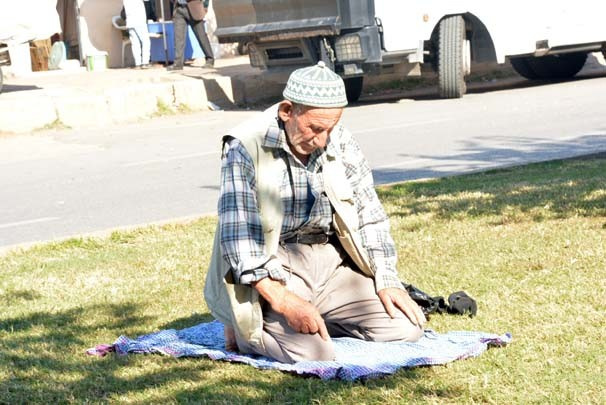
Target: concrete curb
pixel 27 111
pixel 22 114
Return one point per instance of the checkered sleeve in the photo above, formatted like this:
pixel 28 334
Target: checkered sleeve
pixel 374 223
pixel 242 241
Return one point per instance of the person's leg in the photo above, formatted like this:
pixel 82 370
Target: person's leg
pixel 135 45
pixel 351 307
pixel 199 29
pixel 309 267
pixel 143 34
pixel 180 32
pixel 145 46
pixel 281 342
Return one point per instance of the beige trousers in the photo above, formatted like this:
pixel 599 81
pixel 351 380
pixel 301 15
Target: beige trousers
pixel 345 298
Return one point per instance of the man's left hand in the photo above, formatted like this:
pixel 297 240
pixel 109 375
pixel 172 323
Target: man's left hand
pixel 394 299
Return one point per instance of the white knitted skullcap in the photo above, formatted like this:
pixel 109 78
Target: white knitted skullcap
pixel 316 86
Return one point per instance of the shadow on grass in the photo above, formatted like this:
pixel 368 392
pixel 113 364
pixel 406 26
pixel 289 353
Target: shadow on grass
pixel 44 353
pixel 187 321
pixel 70 323
pixel 42 356
pixel 203 381
pixel 281 388
pixel 556 189
pixel 25 295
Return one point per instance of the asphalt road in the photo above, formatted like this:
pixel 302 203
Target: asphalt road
pixel 60 184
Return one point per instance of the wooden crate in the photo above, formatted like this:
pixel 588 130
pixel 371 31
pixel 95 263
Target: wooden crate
pixel 40 52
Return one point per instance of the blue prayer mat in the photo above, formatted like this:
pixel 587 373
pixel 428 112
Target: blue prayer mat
pixel 355 359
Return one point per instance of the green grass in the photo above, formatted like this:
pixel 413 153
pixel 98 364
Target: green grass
pixel 57 125
pixel 164 109
pixel 528 243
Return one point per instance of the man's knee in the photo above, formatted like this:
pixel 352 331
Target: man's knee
pixel 298 347
pixel 413 334
pixel 397 329
pixel 308 348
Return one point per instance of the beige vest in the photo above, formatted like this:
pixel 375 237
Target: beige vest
pixel 239 305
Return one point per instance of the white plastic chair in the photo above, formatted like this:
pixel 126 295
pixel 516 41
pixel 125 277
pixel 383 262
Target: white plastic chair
pixel 120 24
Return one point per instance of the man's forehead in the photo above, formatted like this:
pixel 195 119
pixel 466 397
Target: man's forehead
pixel 324 115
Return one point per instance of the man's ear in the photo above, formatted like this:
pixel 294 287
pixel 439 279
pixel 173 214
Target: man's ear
pixel 285 110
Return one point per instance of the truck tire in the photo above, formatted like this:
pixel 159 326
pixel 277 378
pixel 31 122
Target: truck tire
pixel 353 88
pixel 242 48
pixel 521 66
pixel 562 66
pixel 452 57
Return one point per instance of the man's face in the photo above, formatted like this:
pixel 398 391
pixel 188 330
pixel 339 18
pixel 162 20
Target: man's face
pixel 307 128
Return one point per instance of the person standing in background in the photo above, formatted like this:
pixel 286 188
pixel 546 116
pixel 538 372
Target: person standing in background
pixel 150 10
pixel 192 13
pixel 136 21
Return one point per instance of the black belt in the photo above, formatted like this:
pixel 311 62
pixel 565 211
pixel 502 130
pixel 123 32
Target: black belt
pixel 308 239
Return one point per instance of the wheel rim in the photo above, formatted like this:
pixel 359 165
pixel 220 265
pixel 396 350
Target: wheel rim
pixel 466 54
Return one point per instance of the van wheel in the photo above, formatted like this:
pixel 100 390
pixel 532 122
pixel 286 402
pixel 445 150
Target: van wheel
pixel 521 66
pixel 353 88
pixel 454 57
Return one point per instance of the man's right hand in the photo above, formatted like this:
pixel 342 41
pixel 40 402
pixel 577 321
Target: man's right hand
pixel 301 315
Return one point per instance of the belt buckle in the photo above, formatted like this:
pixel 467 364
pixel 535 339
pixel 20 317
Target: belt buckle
pixel 308 239
pixel 312 239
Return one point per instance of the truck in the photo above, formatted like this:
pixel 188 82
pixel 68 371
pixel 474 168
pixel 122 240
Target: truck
pixel 358 38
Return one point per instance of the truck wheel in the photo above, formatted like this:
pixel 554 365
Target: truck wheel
pixel 521 66
pixel 353 88
pixel 562 66
pixel 453 57
pixel 242 48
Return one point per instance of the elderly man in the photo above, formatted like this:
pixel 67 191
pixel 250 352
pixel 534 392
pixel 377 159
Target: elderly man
pixel 303 250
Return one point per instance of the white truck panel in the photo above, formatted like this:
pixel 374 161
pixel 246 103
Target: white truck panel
pixel 514 26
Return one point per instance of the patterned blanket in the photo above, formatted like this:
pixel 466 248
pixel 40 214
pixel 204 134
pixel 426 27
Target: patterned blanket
pixel 355 359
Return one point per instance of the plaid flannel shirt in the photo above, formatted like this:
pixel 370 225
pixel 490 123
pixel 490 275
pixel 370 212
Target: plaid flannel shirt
pixel 306 207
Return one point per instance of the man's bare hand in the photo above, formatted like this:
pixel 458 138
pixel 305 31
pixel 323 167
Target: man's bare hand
pixel 393 298
pixel 301 315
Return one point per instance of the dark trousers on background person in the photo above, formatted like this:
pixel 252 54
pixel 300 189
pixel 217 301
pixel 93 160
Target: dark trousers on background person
pixel 181 19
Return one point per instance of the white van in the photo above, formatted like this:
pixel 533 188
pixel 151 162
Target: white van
pixel 543 40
